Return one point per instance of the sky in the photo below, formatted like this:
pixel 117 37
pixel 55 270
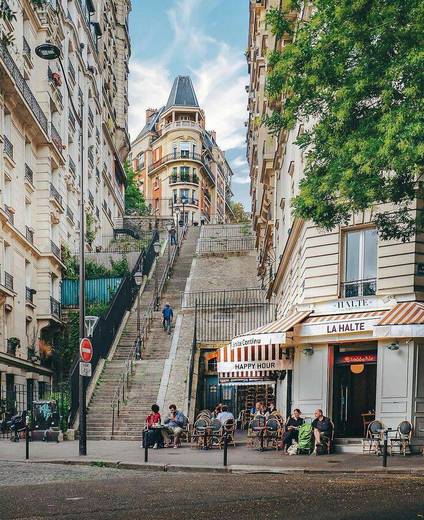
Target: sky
pixel 205 39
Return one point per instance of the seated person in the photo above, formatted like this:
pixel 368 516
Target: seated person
pixel 322 428
pixel 272 409
pixel 292 429
pixel 175 421
pixel 152 422
pixel 224 415
pixel 218 410
pixel 260 410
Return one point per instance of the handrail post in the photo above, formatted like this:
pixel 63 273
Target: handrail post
pixel 113 419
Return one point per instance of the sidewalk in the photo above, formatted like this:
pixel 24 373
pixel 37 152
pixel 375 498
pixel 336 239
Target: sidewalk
pixel 129 455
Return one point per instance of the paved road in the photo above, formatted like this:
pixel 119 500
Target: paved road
pixel 102 493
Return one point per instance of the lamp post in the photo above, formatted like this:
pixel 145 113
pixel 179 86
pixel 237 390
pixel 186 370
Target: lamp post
pixel 156 247
pixel 49 52
pixel 168 228
pixel 177 212
pixel 138 280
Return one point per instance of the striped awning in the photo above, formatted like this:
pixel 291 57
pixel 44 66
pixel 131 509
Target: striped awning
pixel 408 313
pixel 273 333
pixel 344 317
pixel 253 364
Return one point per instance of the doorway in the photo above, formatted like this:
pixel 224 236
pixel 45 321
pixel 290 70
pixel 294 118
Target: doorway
pixel 354 389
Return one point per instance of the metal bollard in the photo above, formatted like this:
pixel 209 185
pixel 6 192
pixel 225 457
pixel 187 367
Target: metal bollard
pixel 27 442
pixel 146 447
pixel 225 449
pixel 386 434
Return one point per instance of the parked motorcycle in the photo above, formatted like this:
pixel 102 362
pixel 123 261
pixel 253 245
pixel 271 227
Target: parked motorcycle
pixel 17 425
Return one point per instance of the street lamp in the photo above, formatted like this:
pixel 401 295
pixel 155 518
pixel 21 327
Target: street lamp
pixel 156 247
pixel 49 51
pixel 168 228
pixel 138 276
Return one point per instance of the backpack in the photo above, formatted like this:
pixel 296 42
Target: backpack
pixel 305 438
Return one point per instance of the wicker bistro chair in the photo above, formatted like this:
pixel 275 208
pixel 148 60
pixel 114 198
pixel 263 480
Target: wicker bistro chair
pixel 402 439
pixel 256 426
pixel 229 429
pixel 198 432
pixel 216 434
pixel 273 432
pixel 373 438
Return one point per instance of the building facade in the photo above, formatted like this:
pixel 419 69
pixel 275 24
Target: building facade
pixel 180 167
pixel 356 332
pixel 42 161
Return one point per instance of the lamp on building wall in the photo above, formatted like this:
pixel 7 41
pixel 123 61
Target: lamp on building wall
pixel 308 350
pixel 49 51
pixel 394 346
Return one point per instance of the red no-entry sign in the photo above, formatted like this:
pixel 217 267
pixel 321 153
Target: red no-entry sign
pixel 86 350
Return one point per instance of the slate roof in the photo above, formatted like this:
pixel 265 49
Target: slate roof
pixel 182 94
pixel 150 124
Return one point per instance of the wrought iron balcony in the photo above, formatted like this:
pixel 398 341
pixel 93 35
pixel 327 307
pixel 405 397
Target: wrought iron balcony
pixel 10 214
pixel 72 120
pixel 174 157
pixel 23 87
pixel 72 166
pixel 55 194
pixel 11 346
pixel 359 288
pixel 71 71
pixel 29 234
pixel 55 308
pixel 8 281
pixel 29 295
pixel 55 250
pixel 29 174
pixel 7 147
pixel 57 140
pixel 186 201
pixel 91 198
pixel 90 157
pixel 90 117
pixel 26 49
pixel 183 178
pixel 208 195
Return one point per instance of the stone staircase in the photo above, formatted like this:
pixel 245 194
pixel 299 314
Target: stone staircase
pixel 145 383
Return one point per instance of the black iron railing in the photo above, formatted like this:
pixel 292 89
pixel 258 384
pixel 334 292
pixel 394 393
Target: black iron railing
pixel 221 298
pixel 70 214
pixel 17 398
pixel 174 156
pixel 72 166
pixel 91 198
pixel 183 178
pixel 57 140
pixel 221 245
pixel 29 174
pixel 55 194
pixel 72 120
pixel 29 295
pixel 7 147
pixel 226 231
pixel 10 214
pixel 359 288
pixel 108 325
pixel 8 281
pixel 90 158
pixel 29 234
pixel 23 87
pixel 71 71
pixel 55 308
pixel 55 250
pixel 11 347
pixel 90 116
pixel 26 48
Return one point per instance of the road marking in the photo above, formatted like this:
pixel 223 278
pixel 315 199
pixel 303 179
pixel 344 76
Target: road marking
pixel 75 498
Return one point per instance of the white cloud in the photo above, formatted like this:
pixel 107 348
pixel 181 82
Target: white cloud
pixel 149 87
pixel 239 179
pixel 239 163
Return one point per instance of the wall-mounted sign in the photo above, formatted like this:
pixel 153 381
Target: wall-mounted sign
pixel 338 327
pixel 276 338
pixel 254 366
pixel 349 304
pixel 348 359
pixel 346 326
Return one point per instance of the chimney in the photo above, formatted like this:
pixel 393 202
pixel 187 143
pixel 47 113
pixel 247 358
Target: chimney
pixel 149 113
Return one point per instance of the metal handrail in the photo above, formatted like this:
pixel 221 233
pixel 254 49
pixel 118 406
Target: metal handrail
pixel 124 380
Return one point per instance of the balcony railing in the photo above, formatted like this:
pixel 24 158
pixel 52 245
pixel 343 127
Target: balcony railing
pixel 208 195
pixel 186 201
pixel 90 158
pixel 183 178
pixel 90 198
pixel 70 214
pixel 71 71
pixel 29 234
pixel 90 117
pixel 10 214
pixel 11 347
pixel 29 174
pixel 57 140
pixel 8 281
pixel 8 147
pixel 23 87
pixel 72 120
pixel 55 308
pixel 29 295
pixel 175 156
pixel 359 288
pixel 182 124
pixel 72 166
pixel 55 249
pixel 55 194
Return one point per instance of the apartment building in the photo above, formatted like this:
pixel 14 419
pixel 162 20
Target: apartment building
pixel 180 167
pixel 349 303
pixel 42 160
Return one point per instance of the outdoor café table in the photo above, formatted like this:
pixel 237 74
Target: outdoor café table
pixel 261 430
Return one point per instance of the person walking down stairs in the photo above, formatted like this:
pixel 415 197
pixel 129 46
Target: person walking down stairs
pixel 167 315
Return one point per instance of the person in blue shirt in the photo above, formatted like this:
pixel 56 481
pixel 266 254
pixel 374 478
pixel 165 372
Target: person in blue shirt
pixel 167 314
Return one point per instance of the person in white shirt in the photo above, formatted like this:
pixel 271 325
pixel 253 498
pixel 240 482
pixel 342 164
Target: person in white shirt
pixel 224 415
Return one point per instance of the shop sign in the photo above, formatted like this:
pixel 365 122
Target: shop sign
pixel 349 304
pixel 276 338
pixel 254 366
pixel 347 326
pixel 348 359
pixel 337 327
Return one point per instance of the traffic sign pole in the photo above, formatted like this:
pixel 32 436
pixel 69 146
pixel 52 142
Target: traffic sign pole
pixel 86 354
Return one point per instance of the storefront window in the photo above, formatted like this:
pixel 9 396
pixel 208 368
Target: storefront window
pixel 360 267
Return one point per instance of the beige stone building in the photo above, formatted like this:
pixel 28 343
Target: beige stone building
pixel 355 327
pixel 179 164
pixel 41 162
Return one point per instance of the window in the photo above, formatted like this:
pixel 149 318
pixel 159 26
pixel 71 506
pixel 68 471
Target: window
pixel 185 149
pixel 185 194
pixel 360 265
pixel 175 195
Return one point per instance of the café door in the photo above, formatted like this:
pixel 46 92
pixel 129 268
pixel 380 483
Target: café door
pixel 354 387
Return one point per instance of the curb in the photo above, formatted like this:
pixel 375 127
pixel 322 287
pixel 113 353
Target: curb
pixel 235 469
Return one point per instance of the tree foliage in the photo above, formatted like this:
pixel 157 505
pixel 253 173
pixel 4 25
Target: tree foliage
pixel 240 215
pixel 354 76
pixel 134 199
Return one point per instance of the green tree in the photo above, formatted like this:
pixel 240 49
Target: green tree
pixel 355 69
pixel 134 199
pixel 240 215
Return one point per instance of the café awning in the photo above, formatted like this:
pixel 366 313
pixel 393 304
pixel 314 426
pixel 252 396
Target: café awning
pixel 274 333
pixel 405 320
pixel 253 364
